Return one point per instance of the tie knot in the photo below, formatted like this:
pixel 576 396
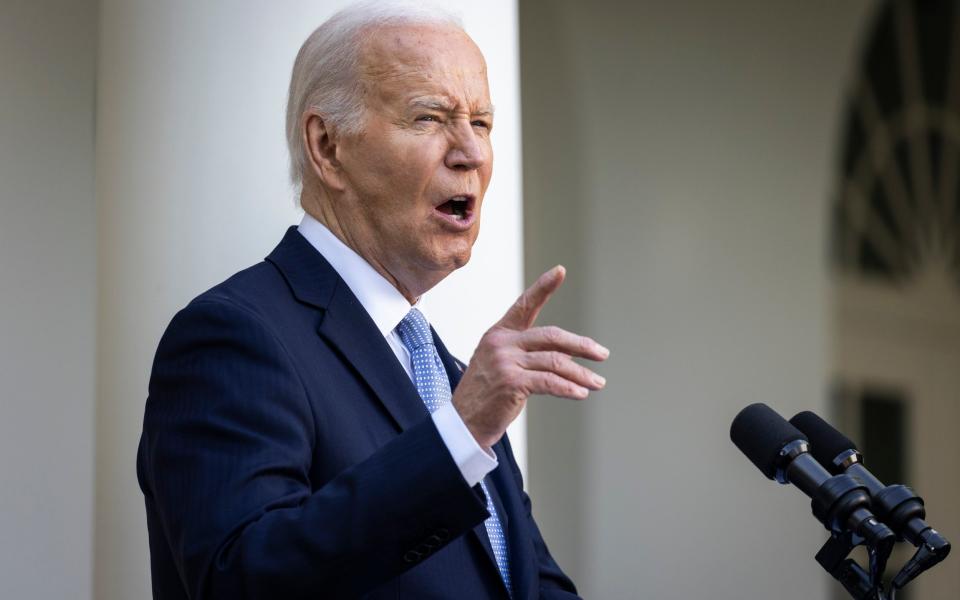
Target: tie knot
pixel 414 330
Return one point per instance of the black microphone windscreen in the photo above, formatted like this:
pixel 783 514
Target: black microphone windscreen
pixel 826 443
pixel 761 434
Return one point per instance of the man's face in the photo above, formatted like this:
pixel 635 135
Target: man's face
pixel 415 177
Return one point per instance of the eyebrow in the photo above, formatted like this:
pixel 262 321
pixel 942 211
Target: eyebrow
pixel 444 105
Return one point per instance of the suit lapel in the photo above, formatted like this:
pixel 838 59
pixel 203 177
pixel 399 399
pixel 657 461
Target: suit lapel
pixel 347 327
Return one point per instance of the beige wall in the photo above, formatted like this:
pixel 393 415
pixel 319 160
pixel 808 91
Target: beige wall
pixel 679 158
pixel 47 297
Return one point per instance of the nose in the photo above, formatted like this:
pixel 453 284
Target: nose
pixel 467 152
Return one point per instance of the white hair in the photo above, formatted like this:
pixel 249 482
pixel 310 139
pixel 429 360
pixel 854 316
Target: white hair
pixel 325 74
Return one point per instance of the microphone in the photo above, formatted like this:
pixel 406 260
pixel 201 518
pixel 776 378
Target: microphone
pixel 896 505
pixel 782 453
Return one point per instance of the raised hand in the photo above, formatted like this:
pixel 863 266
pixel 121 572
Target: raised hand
pixel 515 359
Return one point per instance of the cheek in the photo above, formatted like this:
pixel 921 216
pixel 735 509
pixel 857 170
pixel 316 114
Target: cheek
pixel 487 169
pixel 487 174
pixel 408 168
pixel 382 172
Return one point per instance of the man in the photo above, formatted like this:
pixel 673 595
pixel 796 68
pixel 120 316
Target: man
pixel 307 435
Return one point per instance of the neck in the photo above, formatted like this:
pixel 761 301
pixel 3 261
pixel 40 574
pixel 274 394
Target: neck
pixel 315 205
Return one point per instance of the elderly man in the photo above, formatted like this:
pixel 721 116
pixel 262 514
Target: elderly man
pixel 307 435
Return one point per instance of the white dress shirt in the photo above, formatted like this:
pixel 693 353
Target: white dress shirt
pixel 387 307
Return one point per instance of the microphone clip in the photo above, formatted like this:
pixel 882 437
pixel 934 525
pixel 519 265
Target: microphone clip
pixel 833 557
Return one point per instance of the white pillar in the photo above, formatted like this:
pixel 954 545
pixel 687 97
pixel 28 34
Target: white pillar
pixel 47 297
pixel 191 187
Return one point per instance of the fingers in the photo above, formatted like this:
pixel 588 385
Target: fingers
pixel 564 366
pixel 545 382
pixel 560 340
pixel 524 311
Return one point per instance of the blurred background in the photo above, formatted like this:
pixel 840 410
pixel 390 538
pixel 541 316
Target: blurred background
pixel 756 202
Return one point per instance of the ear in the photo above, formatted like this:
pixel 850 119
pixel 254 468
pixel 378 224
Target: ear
pixel 320 144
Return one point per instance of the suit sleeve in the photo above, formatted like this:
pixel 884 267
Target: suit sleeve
pixel 554 583
pixel 225 458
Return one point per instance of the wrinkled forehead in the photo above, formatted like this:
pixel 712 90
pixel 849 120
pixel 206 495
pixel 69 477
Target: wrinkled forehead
pixel 410 61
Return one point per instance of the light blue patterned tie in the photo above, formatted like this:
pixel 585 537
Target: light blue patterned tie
pixel 431 380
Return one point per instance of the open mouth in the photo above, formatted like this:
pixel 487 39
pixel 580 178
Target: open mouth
pixel 458 207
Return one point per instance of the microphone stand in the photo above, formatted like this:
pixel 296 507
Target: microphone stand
pixel 858 583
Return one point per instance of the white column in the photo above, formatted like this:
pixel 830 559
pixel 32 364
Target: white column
pixel 191 187
pixel 47 297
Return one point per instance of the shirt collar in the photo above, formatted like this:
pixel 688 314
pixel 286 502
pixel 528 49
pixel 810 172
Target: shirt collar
pixel 383 302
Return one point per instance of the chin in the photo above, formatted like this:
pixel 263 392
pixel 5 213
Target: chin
pixel 459 255
pixel 444 256
pixel 461 260
pixel 454 260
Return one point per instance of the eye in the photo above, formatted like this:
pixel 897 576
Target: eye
pixel 480 123
pixel 428 118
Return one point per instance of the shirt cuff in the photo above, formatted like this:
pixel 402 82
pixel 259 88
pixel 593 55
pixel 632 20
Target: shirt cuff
pixel 474 462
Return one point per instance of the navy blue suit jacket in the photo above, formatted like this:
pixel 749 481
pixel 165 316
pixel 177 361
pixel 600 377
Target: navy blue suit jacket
pixel 286 454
